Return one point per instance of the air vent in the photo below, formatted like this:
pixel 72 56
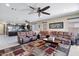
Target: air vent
pixel 73 18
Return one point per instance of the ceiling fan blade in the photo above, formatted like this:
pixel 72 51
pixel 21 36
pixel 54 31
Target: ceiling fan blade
pixel 45 8
pixel 32 7
pixel 38 9
pixel 45 13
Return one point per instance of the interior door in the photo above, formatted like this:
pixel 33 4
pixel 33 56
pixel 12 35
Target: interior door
pixel 1 28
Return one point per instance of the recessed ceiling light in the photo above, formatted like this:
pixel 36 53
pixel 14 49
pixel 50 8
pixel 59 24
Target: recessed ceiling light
pixel 8 5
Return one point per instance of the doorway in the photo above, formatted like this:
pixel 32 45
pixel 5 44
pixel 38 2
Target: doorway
pixel 2 29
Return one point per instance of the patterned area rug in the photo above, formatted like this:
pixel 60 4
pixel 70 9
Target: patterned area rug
pixel 32 49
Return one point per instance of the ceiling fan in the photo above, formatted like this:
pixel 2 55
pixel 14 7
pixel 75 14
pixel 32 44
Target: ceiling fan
pixel 39 10
pixel 36 10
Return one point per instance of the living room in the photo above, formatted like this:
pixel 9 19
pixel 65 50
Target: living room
pixel 39 29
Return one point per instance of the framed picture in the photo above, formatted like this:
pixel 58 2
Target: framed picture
pixel 58 25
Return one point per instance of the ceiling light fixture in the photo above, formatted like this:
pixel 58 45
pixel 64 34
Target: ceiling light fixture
pixel 8 5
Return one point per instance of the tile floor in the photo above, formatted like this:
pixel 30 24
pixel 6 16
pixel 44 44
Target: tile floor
pixel 74 51
pixel 6 41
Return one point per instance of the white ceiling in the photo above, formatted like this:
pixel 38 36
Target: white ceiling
pixel 20 15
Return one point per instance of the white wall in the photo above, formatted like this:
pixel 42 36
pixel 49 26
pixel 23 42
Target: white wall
pixel 55 20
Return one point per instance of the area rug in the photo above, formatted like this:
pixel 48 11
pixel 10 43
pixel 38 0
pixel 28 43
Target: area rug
pixel 29 49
